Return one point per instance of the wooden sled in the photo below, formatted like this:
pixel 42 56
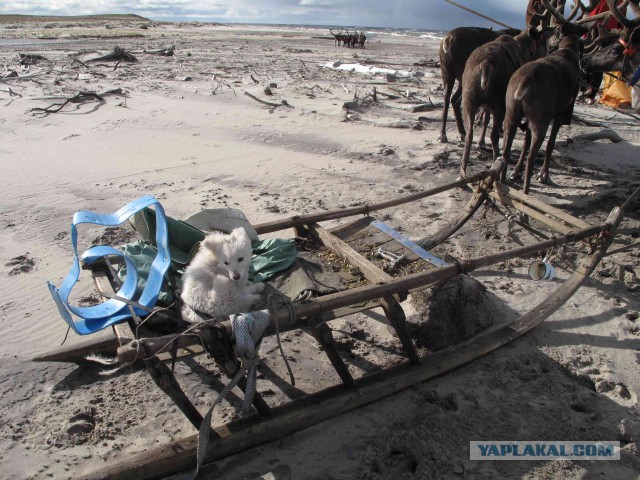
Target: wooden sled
pixel 316 314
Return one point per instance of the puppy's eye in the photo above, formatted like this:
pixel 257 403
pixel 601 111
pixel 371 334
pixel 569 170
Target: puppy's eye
pixel 241 259
pixel 226 263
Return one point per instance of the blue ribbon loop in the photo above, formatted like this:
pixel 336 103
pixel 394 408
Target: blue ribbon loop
pixel 96 317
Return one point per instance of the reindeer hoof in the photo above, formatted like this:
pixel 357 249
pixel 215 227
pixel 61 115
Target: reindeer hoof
pixel 515 177
pixel 443 138
pixel 544 178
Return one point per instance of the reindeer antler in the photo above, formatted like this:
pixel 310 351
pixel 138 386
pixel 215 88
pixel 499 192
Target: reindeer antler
pixel 576 8
pixel 599 16
pixel 615 10
pixel 602 36
pixel 557 15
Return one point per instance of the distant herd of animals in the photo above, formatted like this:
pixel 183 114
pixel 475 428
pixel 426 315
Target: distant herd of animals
pixel 348 39
pixel 535 74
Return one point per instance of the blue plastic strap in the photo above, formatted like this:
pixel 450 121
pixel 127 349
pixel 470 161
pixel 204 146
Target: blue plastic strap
pixel 411 245
pixel 97 317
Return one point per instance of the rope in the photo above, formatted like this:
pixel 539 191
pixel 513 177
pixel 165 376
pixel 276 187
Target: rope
pixel 273 307
pixel 248 329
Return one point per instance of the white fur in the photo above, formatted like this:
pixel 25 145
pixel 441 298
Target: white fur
pixel 216 280
pixel 521 92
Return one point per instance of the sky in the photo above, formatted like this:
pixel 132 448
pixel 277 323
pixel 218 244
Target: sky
pixel 422 14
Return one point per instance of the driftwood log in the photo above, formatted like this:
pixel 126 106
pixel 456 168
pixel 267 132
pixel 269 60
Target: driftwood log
pixel 117 54
pixel 269 104
pixel 79 97
pixel 165 52
pixel 606 134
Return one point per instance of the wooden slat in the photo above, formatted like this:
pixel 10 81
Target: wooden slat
pixel 541 217
pixel 370 271
pixel 349 229
pixel 540 205
pixel 123 331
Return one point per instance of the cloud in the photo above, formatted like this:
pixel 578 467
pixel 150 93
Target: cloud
pixel 424 14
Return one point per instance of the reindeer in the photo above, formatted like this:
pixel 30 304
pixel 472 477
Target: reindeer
pixel 485 78
pixel 621 55
pixel 355 39
pixel 347 38
pixel 543 91
pixel 362 38
pixel 455 49
pixel 337 37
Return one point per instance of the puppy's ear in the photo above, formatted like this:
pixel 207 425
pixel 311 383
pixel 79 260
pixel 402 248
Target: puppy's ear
pixel 212 241
pixel 238 235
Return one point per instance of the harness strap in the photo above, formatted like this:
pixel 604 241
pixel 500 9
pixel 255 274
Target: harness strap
pixel 628 49
pixel 96 317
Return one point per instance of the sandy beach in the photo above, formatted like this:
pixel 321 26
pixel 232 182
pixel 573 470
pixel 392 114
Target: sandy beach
pixel 182 129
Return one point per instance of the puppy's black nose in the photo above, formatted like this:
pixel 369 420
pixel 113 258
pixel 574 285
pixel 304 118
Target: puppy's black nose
pixel 236 276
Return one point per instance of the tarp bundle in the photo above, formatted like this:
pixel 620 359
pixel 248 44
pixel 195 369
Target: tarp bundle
pixel 167 246
pixel 615 93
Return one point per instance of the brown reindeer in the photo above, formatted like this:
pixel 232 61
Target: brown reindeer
pixel 543 91
pixel 337 37
pixel 455 49
pixel 485 79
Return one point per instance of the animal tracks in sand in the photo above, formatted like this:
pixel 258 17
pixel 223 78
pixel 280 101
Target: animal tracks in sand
pixel 20 264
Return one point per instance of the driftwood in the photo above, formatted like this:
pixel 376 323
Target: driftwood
pixel 607 134
pixel 118 53
pixel 428 63
pixel 422 107
pixel 30 58
pixel 165 52
pixel 410 124
pixel 79 97
pixel 219 86
pixel 269 104
pixel 11 93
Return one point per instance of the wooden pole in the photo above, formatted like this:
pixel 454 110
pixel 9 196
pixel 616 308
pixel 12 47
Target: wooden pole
pixel 297 221
pixel 478 14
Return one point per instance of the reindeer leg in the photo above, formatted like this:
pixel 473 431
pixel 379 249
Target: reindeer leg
pixel 509 133
pixel 485 123
pixel 456 102
pixel 537 137
pixel 515 174
pixel 469 115
pixel 448 87
pixel 498 118
pixel 543 176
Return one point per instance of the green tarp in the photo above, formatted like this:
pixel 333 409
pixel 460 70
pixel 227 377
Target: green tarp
pixel 271 256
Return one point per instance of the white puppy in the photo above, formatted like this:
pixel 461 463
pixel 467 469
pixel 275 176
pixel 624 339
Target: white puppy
pixel 216 281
